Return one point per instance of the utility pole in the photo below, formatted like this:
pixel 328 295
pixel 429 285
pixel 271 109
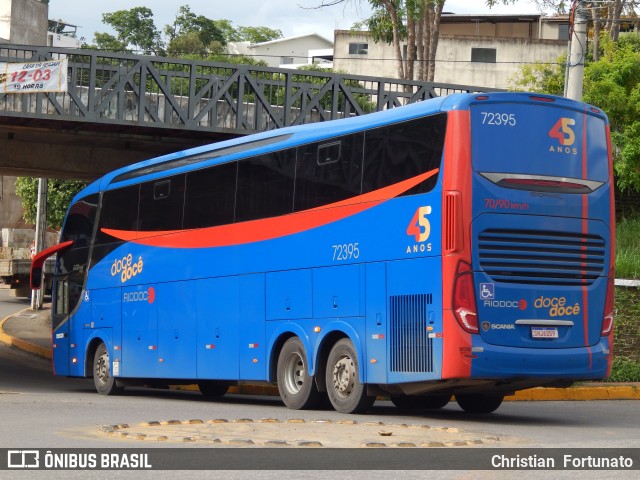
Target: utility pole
pixel 37 296
pixel 575 62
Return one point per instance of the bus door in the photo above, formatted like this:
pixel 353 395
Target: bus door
pixel 60 324
pixel 71 310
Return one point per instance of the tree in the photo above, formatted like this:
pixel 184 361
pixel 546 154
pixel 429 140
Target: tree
pixel 59 196
pixel 257 34
pixel 134 29
pixel 613 84
pixel 605 16
pixel 192 34
pixel 187 44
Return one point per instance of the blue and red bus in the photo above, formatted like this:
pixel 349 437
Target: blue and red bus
pixel 461 246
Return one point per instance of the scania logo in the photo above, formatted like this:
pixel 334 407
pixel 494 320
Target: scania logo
pixel 486 326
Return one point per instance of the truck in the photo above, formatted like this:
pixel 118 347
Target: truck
pixel 15 260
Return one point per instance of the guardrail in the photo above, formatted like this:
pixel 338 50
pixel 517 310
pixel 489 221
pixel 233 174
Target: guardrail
pixel 126 89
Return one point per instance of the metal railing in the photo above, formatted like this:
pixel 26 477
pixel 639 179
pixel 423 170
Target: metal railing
pixel 125 89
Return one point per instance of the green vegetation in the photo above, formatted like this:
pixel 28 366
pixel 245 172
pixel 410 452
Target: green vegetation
pixel 613 84
pixel 624 370
pixel 189 35
pixel 59 196
pixel 628 248
pixel 626 349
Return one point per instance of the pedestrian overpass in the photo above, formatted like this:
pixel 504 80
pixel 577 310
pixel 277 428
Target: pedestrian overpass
pixel 122 108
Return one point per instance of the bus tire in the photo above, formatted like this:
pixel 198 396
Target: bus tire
pixel 420 402
pixel 346 392
pixel 102 379
pixel 213 388
pixel 479 403
pixel 297 388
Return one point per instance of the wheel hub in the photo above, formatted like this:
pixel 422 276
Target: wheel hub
pixel 102 368
pixel 294 373
pixel 344 376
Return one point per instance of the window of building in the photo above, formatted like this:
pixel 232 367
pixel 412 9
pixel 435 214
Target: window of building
pixel 483 55
pixel 286 60
pixel 563 31
pixel 358 48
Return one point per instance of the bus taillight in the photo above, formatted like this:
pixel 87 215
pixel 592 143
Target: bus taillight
pixel 607 321
pixel 464 299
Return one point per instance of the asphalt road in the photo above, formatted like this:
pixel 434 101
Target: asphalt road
pixel 38 410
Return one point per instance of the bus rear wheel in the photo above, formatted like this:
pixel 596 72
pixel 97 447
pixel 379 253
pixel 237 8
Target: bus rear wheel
pixel 213 388
pixel 297 388
pixel 346 392
pixel 479 403
pixel 102 379
pixel 419 402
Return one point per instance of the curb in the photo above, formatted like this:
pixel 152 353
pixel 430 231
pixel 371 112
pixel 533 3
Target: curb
pixel 23 344
pixel 577 393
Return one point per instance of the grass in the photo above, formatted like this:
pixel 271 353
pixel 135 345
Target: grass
pixel 626 350
pixel 628 248
pixel 624 370
pixel 626 344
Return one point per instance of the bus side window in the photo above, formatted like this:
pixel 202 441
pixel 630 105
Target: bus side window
pixel 210 196
pixel 329 153
pixel 119 211
pixel 162 204
pixel 328 172
pixel 265 186
pixel 397 152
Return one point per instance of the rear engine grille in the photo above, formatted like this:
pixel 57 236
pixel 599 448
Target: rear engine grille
pixel 411 347
pixel 541 257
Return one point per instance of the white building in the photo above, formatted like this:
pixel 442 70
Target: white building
pixel 290 52
pixel 63 34
pixel 475 50
pixel 23 22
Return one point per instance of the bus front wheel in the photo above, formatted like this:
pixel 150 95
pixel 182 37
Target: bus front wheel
pixel 479 403
pixel 297 388
pixel 103 380
pixel 346 392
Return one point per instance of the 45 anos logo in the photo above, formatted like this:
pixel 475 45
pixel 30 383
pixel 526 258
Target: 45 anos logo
pixel 420 228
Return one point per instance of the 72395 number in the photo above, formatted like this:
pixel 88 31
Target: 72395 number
pixel 345 251
pixel 498 119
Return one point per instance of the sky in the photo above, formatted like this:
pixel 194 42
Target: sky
pixel 286 15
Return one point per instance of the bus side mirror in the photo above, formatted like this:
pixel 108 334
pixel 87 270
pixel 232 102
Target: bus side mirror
pixel 36 278
pixel 37 264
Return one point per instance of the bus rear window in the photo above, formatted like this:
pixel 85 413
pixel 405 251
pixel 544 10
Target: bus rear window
pixel 529 139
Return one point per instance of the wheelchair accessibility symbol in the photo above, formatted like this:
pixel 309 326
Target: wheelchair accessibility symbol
pixel 487 291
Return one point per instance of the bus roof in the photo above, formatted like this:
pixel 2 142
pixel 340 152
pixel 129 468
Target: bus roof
pixel 273 140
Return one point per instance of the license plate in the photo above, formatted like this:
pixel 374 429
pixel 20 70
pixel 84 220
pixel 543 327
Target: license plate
pixel 544 332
